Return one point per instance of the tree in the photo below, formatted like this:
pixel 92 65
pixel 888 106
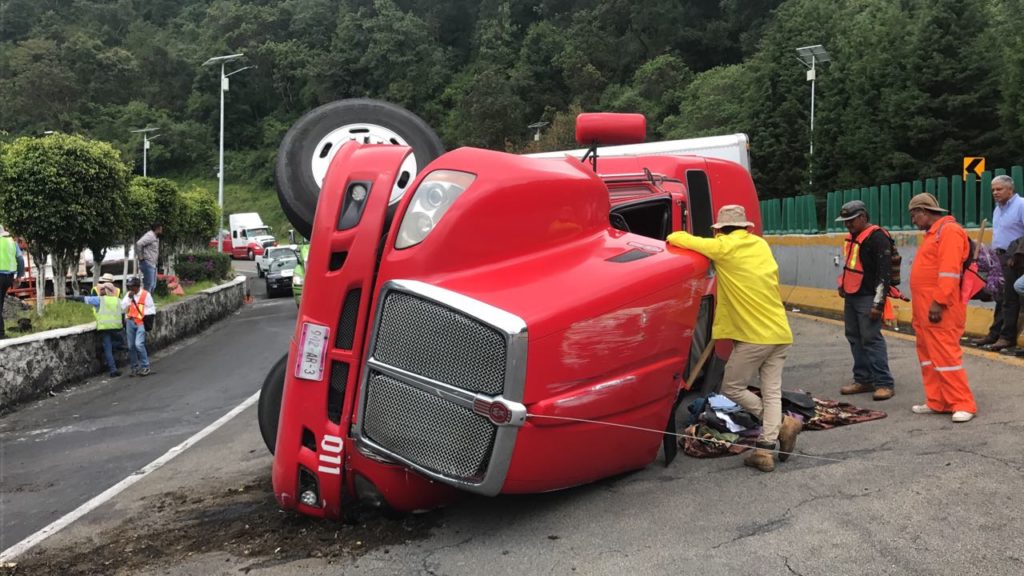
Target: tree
pixel 200 219
pixel 61 192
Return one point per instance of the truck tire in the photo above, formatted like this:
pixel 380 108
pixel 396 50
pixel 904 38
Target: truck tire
pixel 310 144
pixel 269 408
pixel 250 255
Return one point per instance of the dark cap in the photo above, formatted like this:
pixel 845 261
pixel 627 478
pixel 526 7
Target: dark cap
pixel 851 210
pixel 134 281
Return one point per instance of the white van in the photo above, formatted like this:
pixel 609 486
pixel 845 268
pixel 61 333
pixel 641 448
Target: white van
pixel 249 235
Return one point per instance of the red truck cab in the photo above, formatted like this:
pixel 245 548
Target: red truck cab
pixel 519 325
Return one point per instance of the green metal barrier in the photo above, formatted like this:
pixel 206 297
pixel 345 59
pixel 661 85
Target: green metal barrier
pixel 970 201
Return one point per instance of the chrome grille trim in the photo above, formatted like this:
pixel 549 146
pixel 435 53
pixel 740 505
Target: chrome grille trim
pixel 431 339
pixel 511 328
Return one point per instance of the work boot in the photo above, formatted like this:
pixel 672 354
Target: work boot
pixel 883 393
pixel 762 457
pixel 1000 344
pixel 856 388
pixel 787 436
pixel 982 342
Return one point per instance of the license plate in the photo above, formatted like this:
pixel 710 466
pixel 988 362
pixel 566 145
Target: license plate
pixel 312 348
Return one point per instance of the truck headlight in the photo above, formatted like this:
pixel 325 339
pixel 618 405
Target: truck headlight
pixel 434 196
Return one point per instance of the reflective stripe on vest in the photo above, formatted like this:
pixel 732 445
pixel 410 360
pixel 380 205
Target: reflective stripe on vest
pixel 108 315
pixel 137 308
pixel 8 255
pixel 853 271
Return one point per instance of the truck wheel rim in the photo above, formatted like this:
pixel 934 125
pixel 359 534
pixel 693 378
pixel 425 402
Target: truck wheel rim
pixel 365 133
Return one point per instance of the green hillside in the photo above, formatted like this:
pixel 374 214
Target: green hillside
pixel 246 197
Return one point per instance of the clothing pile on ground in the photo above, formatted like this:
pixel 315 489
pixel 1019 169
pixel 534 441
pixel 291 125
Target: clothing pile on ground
pixel 719 427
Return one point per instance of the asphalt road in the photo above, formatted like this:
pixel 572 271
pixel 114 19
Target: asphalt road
pixel 909 494
pixel 59 452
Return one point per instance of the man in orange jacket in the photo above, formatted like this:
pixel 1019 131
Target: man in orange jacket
pixel 939 312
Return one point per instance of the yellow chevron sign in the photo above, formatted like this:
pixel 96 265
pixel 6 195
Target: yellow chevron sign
pixel 973 165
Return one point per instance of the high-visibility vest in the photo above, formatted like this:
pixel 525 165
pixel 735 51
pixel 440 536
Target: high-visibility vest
pixel 853 268
pixel 8 255
pixel 108 315
pixel 137 309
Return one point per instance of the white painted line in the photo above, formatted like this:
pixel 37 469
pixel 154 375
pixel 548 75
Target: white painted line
pixel 61 523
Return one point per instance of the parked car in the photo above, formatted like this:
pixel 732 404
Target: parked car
pixel 270 254
pixel 279 275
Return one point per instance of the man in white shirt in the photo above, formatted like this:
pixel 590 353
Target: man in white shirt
pixel 140 311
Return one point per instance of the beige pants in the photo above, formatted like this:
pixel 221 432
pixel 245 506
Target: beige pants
pixel 765 360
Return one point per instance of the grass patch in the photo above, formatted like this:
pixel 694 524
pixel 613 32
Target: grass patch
pixel 55 315
pixel 189 291
pixel 66 314
pixel 247 197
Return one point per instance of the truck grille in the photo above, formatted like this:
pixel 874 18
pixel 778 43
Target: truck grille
pixel 432 340
pixel 426 429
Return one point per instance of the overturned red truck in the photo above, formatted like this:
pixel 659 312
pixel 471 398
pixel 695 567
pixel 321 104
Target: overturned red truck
pixel 483 321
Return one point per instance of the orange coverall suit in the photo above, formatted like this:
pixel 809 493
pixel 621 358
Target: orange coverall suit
pixel 935 277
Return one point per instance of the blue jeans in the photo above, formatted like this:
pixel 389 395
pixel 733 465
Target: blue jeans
pixel 109 336
pixel 148 276
pixel 870 356
pixel 1019 286
pixel 137 346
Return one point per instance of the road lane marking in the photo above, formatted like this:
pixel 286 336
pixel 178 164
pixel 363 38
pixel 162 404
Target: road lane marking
pixel 61 523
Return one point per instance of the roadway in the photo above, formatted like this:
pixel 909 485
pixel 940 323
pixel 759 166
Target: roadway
pixel 59 452
pixel 909 494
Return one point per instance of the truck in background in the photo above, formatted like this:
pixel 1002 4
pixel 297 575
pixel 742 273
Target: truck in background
pixel 247 236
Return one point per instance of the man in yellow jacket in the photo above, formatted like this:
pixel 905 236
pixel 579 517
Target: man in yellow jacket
pixel 749 312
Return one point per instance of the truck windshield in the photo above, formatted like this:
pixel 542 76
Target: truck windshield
pixel 263 231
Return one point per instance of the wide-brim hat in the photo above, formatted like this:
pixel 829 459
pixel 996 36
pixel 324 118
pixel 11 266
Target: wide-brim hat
pixel 732 215
pixel 4 232
pixel 926 201
pixel 108 277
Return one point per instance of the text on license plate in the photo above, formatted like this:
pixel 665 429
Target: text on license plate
pixel 312 348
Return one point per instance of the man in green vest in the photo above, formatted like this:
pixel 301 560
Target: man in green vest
pixel 109 323
pixel 12 268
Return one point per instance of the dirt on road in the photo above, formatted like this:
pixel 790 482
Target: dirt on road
pixel 242 521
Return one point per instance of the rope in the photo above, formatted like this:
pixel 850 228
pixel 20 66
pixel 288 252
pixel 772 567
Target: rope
pixel 678 435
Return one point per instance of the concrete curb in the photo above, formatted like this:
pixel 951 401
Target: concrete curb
pixel 34 364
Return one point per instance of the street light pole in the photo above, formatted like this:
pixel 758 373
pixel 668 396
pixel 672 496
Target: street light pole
pixel 223 61
pixel 811 56
pixel 145 145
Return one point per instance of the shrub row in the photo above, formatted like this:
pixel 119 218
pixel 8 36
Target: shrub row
pixel 198 266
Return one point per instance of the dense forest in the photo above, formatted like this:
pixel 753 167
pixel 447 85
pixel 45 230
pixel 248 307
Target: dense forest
pixel 913 85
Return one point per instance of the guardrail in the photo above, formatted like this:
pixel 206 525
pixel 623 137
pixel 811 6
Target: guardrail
pixel 969 200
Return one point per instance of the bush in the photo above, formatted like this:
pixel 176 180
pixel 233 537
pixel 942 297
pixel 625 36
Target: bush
pixel 161 289
pixel 198 266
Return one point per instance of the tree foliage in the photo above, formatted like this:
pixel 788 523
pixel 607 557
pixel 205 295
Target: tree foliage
pixel 62 193
pixel 913 85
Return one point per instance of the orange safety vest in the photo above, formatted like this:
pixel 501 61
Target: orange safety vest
pixel 853 269
pixel 138 308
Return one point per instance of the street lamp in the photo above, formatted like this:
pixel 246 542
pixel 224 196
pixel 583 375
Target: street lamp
pixel 811 56
pixel 146 139
pixel 536 126
pixel 223 60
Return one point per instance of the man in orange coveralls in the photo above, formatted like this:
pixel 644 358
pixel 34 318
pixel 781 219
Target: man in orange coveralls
pixel 939 311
